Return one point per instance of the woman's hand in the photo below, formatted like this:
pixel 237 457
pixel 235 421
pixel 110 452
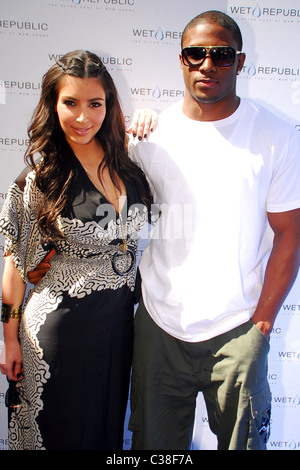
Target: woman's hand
pixel 13 290
pixel 144 121
pixel 11 360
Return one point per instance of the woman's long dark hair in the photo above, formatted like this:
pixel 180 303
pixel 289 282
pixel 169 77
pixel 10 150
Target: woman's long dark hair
pixel 55 170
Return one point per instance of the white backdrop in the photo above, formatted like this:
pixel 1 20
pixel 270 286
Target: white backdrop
pixel 139 41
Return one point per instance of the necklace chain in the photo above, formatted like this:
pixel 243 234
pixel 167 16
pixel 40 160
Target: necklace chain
pixel 123 245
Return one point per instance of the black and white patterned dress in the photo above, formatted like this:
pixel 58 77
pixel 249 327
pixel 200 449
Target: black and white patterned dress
pixel 76 329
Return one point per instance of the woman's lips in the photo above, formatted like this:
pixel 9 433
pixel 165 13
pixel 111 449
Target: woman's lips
pixel 81 131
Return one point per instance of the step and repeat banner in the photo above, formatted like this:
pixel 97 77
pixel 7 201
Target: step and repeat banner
pixel 139 42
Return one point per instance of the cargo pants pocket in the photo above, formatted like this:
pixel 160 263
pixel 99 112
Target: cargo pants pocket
pixel 259 419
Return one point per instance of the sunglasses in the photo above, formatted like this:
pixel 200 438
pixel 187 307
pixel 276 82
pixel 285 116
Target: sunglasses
pixel 222 56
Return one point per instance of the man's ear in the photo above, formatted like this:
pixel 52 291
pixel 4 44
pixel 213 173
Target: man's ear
pixel 180 61
pixel 241 61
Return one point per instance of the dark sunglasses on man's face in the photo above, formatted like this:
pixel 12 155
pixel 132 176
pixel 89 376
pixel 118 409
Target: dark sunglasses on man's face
pixel 222 56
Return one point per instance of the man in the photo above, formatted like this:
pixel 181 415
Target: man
pixel 224 171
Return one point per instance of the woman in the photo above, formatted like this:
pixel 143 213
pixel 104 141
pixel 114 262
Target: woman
pixel 85 198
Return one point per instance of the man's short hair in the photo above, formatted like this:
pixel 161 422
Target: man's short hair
pixel 219 18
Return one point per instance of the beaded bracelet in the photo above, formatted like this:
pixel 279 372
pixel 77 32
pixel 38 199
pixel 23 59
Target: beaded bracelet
pixel 8 312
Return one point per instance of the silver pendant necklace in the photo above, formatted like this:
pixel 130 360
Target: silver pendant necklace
pixel 124 259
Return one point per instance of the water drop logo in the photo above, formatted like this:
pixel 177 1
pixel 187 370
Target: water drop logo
pixel 256 12
pixel 159 35
pixel 296 400
pixel 156 93
pixel 251 70
pixel 292 445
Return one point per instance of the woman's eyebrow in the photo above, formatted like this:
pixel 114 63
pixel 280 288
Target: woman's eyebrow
pixel 75 99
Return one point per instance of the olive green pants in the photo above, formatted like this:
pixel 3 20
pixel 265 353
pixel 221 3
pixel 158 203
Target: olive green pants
pixel 231 372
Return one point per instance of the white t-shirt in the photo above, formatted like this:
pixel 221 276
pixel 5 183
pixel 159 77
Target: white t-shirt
pixel 203 269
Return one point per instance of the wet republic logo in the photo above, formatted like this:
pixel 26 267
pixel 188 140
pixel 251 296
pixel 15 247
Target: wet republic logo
pixel 24 27
pixel 156 35
pixel 262 12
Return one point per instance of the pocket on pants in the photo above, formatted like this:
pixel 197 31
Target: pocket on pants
pixel 260 333
pixel 259 420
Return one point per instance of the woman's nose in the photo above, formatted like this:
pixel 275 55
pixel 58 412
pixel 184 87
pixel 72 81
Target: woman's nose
pixel 82 116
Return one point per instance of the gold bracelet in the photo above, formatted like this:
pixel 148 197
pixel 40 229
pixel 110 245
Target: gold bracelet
pixel 7 312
